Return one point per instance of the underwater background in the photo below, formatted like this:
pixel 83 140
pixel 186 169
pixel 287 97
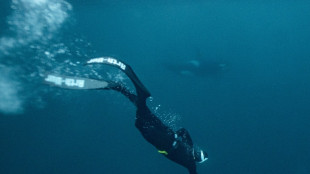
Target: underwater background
pixel 253 116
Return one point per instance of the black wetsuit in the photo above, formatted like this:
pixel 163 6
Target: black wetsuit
pixel 177 146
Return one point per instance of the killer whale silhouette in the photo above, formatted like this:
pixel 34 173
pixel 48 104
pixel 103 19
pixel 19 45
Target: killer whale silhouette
pixel 195 67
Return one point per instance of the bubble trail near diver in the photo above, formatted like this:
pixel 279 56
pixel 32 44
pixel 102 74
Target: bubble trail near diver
pixel 31 21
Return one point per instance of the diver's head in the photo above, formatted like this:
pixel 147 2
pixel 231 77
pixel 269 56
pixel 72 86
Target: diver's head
pixel 200 156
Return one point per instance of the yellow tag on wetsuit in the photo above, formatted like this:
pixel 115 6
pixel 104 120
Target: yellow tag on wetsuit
pixel 163 152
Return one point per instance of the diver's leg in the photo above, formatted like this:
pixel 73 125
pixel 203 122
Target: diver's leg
pixel 122 89
pixel 140 88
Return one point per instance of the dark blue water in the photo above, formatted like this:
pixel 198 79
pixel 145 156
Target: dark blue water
pixel 251 118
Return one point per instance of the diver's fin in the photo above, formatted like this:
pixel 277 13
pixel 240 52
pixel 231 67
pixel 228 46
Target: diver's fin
pixel 76 82
pixel 183 133
pixel 141 89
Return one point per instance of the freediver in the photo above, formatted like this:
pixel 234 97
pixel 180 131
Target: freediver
pixel 175 145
